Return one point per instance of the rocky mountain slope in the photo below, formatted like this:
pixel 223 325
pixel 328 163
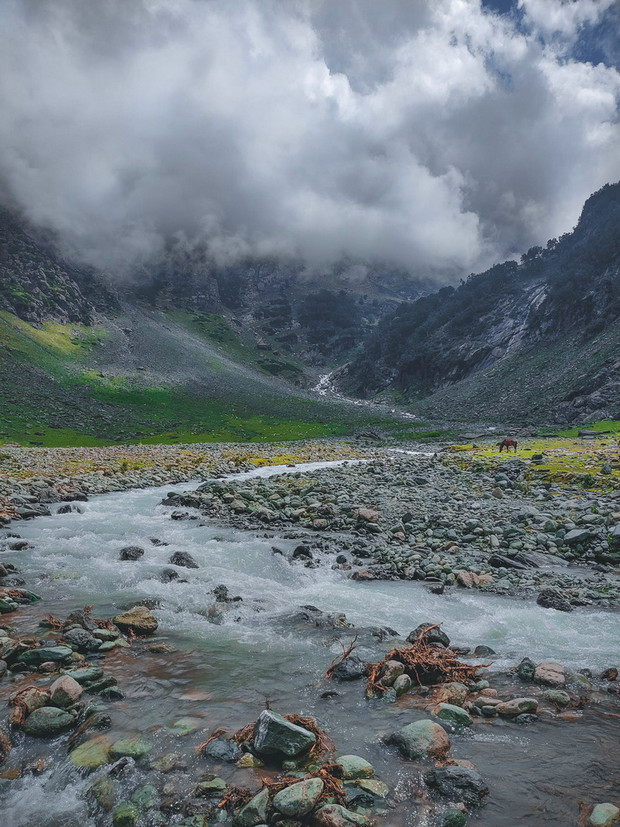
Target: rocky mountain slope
pixel 539 339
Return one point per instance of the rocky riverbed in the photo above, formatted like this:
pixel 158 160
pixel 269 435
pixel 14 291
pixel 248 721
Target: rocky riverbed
pixel 260 652
pixel 439 519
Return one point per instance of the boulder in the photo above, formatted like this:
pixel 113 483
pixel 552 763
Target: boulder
pixel 222 749
pixel 350 669
pixel 86 674
pixel 392 669
pixel 138 620
pixel 65 691
pixel 125 815
pixel 451 693
pixel 32 697
pixel 577 535
pixel 402 684
pixel 184 559
pixel 47 722
pixel 254 812
pixel 131 553
pixel 550 674
pixel 92 754
pixel 604 815
pixel 433 635
pixel 132 747
pixel 516 706
pixel 275 736
pixel 421 739
pixel 45 653
pixel 457 784
pixel 83 640
pixel 354 767
pixel 467 579
pixel 526 669
pixel 299 799
pixel 455 715
pixel 557 697
pixel 553 599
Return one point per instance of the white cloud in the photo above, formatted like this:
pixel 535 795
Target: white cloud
pixel 429 134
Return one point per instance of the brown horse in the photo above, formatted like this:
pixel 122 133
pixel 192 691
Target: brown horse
pixel 507 444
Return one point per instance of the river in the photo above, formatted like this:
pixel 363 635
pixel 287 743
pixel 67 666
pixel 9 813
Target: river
pixel 222 673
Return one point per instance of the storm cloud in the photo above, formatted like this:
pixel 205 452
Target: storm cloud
pixel 436 135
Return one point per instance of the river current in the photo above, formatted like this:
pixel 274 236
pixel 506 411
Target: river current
pixel 222 673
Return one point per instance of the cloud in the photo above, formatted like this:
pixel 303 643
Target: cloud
pixel 435 136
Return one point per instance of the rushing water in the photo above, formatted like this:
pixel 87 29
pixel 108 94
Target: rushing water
pixel 222 673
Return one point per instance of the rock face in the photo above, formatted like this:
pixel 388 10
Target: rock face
pixel 275 736
pixel 550 674
pixel 298 799
pixel 65 691
pixel 457 784
pixel 421 739
pixel 48 721
pixel 138 620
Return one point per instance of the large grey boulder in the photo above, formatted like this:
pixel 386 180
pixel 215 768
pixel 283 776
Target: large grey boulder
pixel 275 736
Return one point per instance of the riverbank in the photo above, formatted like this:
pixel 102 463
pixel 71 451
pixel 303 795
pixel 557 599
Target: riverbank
pixel 457 518
pixel 33 478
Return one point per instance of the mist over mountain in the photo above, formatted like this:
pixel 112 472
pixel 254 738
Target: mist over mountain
pixel 436 138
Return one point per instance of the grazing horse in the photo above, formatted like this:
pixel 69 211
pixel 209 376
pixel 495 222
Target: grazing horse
pixel 507 444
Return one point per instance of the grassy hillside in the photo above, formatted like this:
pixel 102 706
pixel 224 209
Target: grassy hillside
pixel 148 376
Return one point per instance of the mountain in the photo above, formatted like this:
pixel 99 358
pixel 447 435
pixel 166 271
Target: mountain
pixel 185 353
pixel 530 341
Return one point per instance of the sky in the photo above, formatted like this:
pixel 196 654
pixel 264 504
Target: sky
pixel 439 136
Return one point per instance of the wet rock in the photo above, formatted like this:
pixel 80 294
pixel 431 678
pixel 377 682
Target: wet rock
pixel 354 767
pixel 184 559
pixel 83 619
pixel 302 551
pixel 222 749
pixel 455 715
pixel 334 815
pixel 47 722
pixel 351 669
pixel 146 798
pixel 215 787
pixel 454 818
pixel 526 669
pixel 483 652
pixel 604 815
pixel 421 739
pixel 451 693
pixel 402 684
pixel 131 553
pixel 553 599
pixel 457 784
pixel 610 674
pixel 275 736
pixel 254 812
pixel 83 640
pixel 92 754
pixel 138 620
pixel 86 674
pixel 557 697
pixel 392 669
pixel 550 673
pixel 46 653
pixel 433 635
pixel 516 706
pixel 132 747
pixel 33 697
pixel 299 799
pixel 105 792
pixel 65 691
pixel 167 575
pixel 467 579
pixel 125 815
